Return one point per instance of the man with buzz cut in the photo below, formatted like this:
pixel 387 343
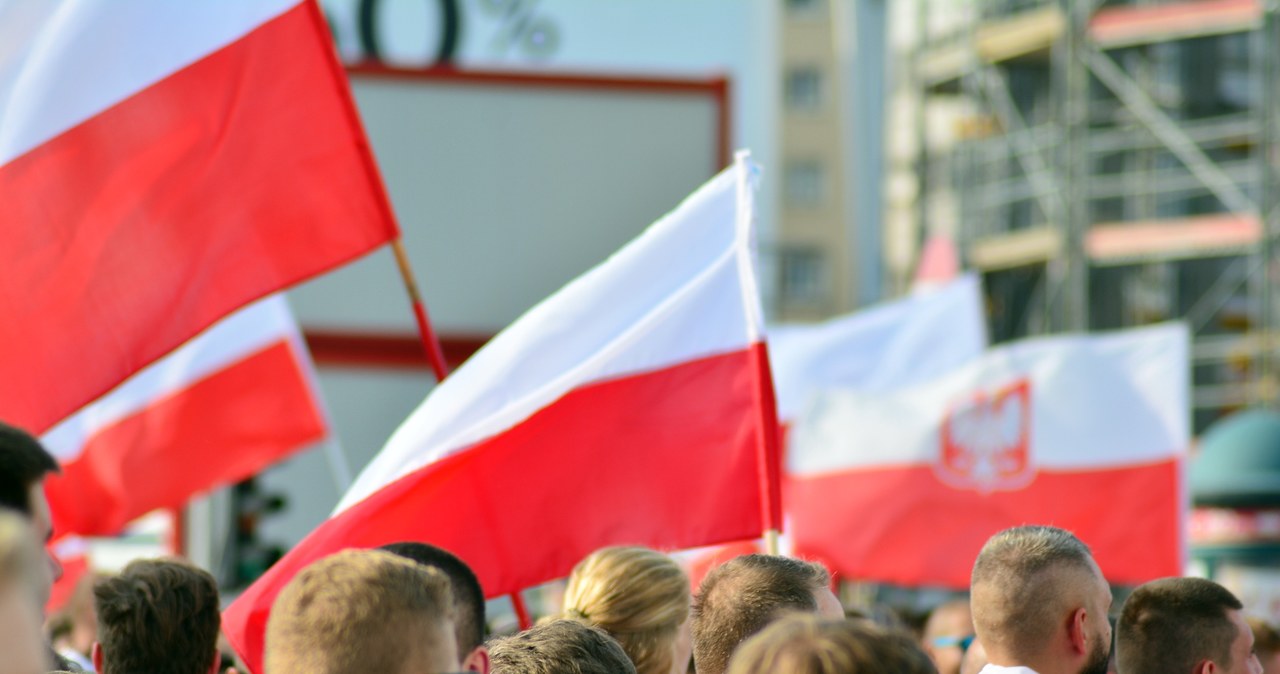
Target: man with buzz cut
pixel 468 599
pixel 360 612
pixel 1040 604
pixel 1184 626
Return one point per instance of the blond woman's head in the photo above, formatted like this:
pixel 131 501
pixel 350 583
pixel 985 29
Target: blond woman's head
pixel 641 598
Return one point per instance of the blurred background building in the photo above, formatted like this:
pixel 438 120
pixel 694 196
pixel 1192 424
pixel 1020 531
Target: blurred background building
pixel 1104 164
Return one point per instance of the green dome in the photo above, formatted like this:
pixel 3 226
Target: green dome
pixel 1239 462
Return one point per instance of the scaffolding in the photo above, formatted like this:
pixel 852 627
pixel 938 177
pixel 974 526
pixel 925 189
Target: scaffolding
pixel 1111 164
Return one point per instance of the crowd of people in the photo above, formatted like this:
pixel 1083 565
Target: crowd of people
pixel 1038 604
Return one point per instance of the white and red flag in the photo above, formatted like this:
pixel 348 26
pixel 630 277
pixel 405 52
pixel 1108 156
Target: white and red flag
pixel 1088 433
pixel 633 406
pixel 233 400
pixel 162 164
pixel 889 346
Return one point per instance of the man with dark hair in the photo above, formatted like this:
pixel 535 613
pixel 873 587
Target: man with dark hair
pixel 560 647
pixel 468 599
pixel 1040 604
pixel 361 611
pixel 1184 626
pixel 24 463
pixel 745 594
pixel 157 617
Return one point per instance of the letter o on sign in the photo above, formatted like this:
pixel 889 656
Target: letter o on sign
pixel 450 25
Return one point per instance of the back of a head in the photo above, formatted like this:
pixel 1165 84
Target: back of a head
pixel 158 617
pixel 637 595
pixel 742 596
pixel 362 611
pixel 1167 626
pixel 1023 579
pixel 806 644
pixel 23 462
pixel 468 596
pixel 559 647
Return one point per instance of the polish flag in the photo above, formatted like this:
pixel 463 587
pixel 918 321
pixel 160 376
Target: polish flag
pixel 891 345
pixel 632 407
pixel 1088 433
pixel 224 405
pixel 162 164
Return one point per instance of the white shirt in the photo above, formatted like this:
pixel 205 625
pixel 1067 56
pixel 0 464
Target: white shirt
pixel 997 669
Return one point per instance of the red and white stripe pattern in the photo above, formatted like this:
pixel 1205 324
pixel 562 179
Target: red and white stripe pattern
pixel 633 406
pixel 1088 433
pixel 889 346
pixel 162 164
pixel 233 400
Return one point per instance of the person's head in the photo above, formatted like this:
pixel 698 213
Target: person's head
pixel 559 647
pixel 21 642
pixel 1039 600
pixel 1184 626
pixel 742 596
pixel 157 616
pixel 468 598
pixel 24 463
pixel 363 611
pixel 641 598
pixel 947 635
pixel 807 644
pixel 1266 643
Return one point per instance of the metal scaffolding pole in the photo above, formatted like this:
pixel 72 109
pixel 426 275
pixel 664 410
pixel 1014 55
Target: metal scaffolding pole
pixel 1072 272
pixel 1265 52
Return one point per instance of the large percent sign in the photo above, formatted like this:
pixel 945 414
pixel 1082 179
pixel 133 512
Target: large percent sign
pixel 521 26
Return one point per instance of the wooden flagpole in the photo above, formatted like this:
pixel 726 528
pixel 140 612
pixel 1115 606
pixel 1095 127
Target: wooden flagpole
pixel 435 356
pixel 430 343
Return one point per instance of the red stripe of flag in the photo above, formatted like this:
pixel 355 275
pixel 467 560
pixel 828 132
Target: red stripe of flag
pixel 217 430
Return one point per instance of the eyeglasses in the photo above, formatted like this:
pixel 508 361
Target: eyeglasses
pixel 946 642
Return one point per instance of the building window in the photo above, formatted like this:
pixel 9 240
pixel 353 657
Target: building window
pixel 804 184
pixel 803 88
pixel 802 276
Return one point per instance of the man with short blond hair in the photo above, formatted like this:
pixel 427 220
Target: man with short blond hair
pixel 745 594
pixel 1040 604
pixel 363 611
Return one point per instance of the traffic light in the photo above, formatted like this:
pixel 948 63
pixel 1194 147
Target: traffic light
pixel 248 556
